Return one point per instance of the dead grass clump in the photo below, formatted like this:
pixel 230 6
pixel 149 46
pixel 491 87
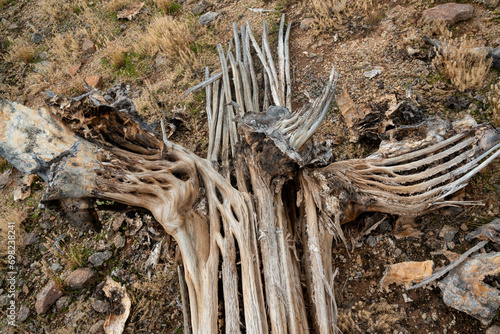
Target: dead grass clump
pixel 169 36
pixel 21 50
pixel 332 14
pixel 65 48
pixel 464 63
pixel 54 11
pixel 167 6
pixel 116 55
pixel 116 5
pixel 494 97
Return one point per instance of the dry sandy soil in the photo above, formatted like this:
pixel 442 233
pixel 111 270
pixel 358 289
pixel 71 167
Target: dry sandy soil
pixel 389 37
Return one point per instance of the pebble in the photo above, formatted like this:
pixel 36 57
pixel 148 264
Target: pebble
pixel 23 314
pixel 208 18
pixel 448 233
pixel 56 267
pixel 495 329
pixel 200 7
pixel 48 296
pixel 98 259
pixel 43 67
pixel 36 38
pixel 306 24
pixel 81 277
pixel 373 73
pixel 62 303
pixel 119 241
pixel 371 241
pixel 100 306
pixel 30 239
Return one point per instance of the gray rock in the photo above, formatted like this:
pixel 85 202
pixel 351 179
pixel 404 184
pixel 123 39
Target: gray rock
pixel 200 7
pixel 208 18
pixel 119 241
pixel 30 239
pixel 43 67
pixel 46 225
pixel 464 289
pixel 36 38
pixel 373 73
pixel 448 233
pixel 495 54
pixel 100 306
pixel 451 13
pixel 495 329
pixel 490 3
pixel 48 296
pixel 371 241
pixel 62 303
pixel 97 328
pixel 4 300
pixel 81 277
pixel 56 267
pixel 98 258
pixel 123 26
pixel 23 314
pixel 306 24
pixel 160 60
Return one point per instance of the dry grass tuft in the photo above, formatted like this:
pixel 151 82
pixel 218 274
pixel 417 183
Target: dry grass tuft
pixel 116 5
pixel 169 36
pixel 494 98
pixel 464 63
pixel 167 6
pixel 21 50
pixel 116 55
pixel 65 48
pixel 332 14
pixel 54 11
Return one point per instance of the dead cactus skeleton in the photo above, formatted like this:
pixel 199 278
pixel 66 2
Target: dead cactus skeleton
pixel 255 221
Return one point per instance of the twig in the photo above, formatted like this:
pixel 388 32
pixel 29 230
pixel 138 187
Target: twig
pixel 445 270
pixel 260 10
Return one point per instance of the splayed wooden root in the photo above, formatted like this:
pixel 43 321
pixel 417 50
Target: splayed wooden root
pixel 255 221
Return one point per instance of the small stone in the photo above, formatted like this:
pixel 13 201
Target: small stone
pixel 88 46
pixel 43 55
pixel 208 18
pixel 46 225
pixel 448 233
pixel 81 277
pixel 406 298
pixel 373 73
pixel 94 81
pixel 23 314
pixel 48 296
pixel 200 7
pixel 495 329
pixel 371 241
pixel 98 258
pixel 43 67
pixel 464 227
pixel 160 61
pixel 62 303
pixel 385 227
pixel 450 245
pixel 123 26
pixel 36 38
pixel 306 24
pixel 30 239
pixel 492 4
pixel 13 26
pixel 100 306
pixel 97 328
pixel 411 51
pixel 72 70
pixel 451 13
pixel 424 316
pixel 119 241
pixel 4 300
pixel 56 267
